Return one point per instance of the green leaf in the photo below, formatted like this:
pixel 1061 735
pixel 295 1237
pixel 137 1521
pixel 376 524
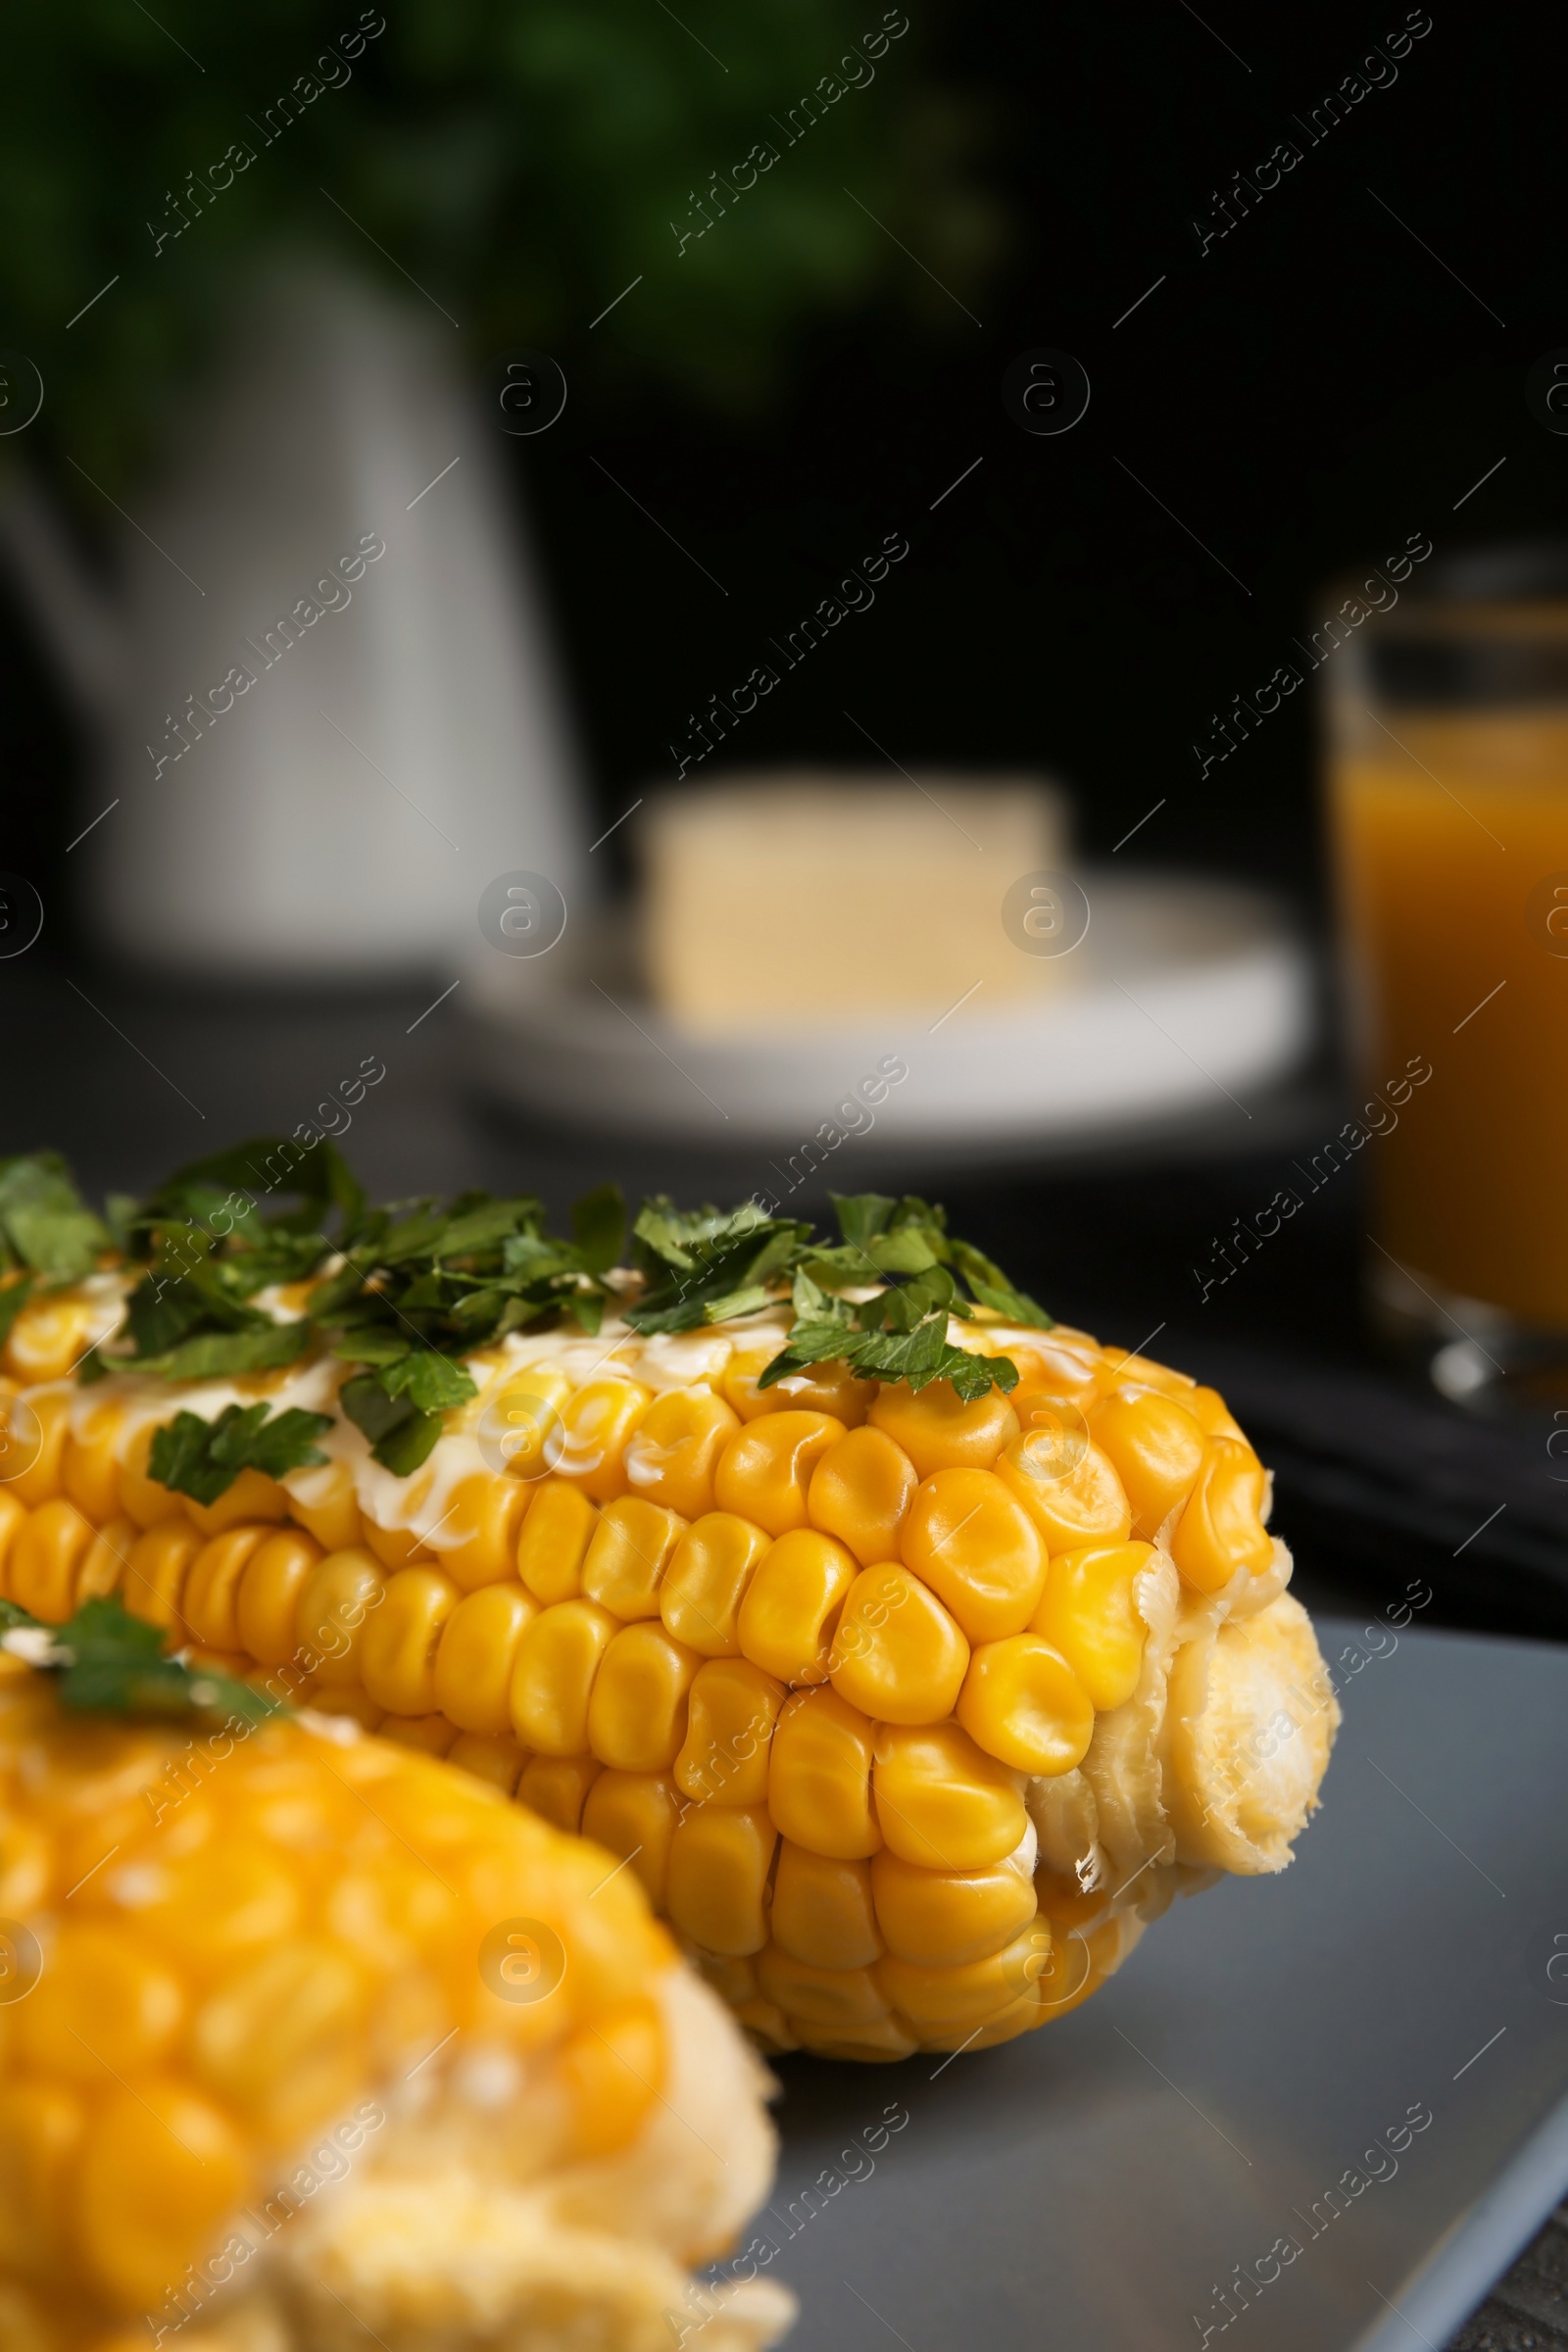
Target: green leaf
pixel 484 1227
pixel 203 1458
pixel 599 1228
pixel 992 1289
pixel 430 1382
pixel 862 1217
pixel 45 1223
pixel 375 1344
pixel 110 1661
pixel 370 1407
pixel 13 1298
pixel 216 1354
pixel 409 1443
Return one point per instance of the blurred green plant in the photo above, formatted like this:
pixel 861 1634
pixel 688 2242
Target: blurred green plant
pixel 523 160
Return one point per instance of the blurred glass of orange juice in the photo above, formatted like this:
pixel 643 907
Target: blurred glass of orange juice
pixel 1449 784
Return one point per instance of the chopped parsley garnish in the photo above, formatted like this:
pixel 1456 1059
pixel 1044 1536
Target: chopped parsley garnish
pixel 203 1458
pixel 110 1660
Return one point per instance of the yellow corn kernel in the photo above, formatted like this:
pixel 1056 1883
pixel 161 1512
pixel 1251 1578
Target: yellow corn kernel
pixel 555 1541
pixel 732 1708
pixel 13 1518
pixel 427 1734
pixel 820 1779
pixel 1141 1372
pixel 1156 1448
pixel 269 1599
pixel 976 1991
pixel 827 1388
pixel 764 1473
pixel 479 1539
pixel 1212 1414
pixel 704 1583
pixel 335 1599
pixel 105 1562
pixel 637 1706
pixel 1222 1526
pixel 947 1918
pixel 938 1430
pixel 155 1574
pixel 822 1909
pixel 612 2071
pixel 253 1495
pixel 1060 1366
pixel 719 1859
pixel 211 1604
pixel 325 1503
pixel 632 1815
pixel 519 1421
pixel 37 1428
pixel 144 1499
pixel 971 1540
pixel 674 1450
pixel 45 1559
pixel 1088 1613
pixel 596 1425
pixel 490 1757
pixel 556 1788
pixel 557 1661
pixel 820 1996
pixel 625 1564
pixel 283 2029
pixel 395 1547
pixel 898 1655
pixel 160 2172
pixel 1023 1705
pixel 50 1335
pixel 790 1611
pixel 880 2045
pixel 478 1654
pixel 1074 1497
pixel 860 1492
pixel 89 1474
pixel 943 1802
pixel 400 1639
pixel 41 2126
pixel 353 1704
pixel 102 2005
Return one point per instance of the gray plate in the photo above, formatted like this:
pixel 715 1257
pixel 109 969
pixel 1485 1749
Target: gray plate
pixel 1093 2187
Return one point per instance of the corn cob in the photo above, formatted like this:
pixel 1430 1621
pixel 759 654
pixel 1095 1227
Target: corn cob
pixel 254 1964
pixel 909 1700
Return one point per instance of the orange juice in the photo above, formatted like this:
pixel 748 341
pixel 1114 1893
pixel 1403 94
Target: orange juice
pixel 1451 839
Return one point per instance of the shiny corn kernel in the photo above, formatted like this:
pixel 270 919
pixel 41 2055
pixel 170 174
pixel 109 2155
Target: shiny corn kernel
pixel 251 1497
pixel 520 1420
pixel 325 1502
pixel 947 1918
pixel 13 1519
pixel 45 1559
pixel 787 1619
pixel 479 1539
pixel 612 2072
pixel 624 1565
pixel 155 1574
pixel 555 1541
pixel 938 1430
pixel 970 1540
pixel 942 1801
pixel 267 1608
pixel 975 1992
pixel 1222 1526
pixel 898 1655
pixel 706 1581
pixel 101 2006
pixel 1212 1414
pixel 1090 1614
pixel 401 1639
pixel 732 1709
pixel 556 1788
pixel 427 1734
pixel 101 1569
pixel 637 1707
pixel 673 1453
pixel 1071 1492
pixel 764 1473
pixel 478 1654
pixel 719 1859
pixel 557 1659
pixel 335 1599
pixel 1156 1448
pixel 395 1547
pixel 828 1387
pixel 490 1757
pixel 41 2129
pixel 211 1606
pixel 268 2038
pixel 143 1497
pixel 160 2171
pixel 823 1911
pixel 50 1335
pixel 89 1473
pixel 596 1425
pixel 820 1779
pixel 860 1492
pixel 820 1996
pixel 632 1815
pixel 1023 1705
pixel 37 1427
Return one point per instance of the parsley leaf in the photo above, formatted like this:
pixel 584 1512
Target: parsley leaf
pixel 45 1225
pixel 991 1288
pixel 400 1436
pixel 109 1660
pixel 203 1458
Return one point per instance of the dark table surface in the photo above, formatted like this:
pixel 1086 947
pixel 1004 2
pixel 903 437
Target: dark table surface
pixel 1377 1479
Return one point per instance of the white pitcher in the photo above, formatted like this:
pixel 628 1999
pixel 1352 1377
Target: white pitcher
pixel 326 703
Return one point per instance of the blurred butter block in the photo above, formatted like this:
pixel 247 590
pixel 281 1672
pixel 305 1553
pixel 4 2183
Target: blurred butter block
pixel 815 898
